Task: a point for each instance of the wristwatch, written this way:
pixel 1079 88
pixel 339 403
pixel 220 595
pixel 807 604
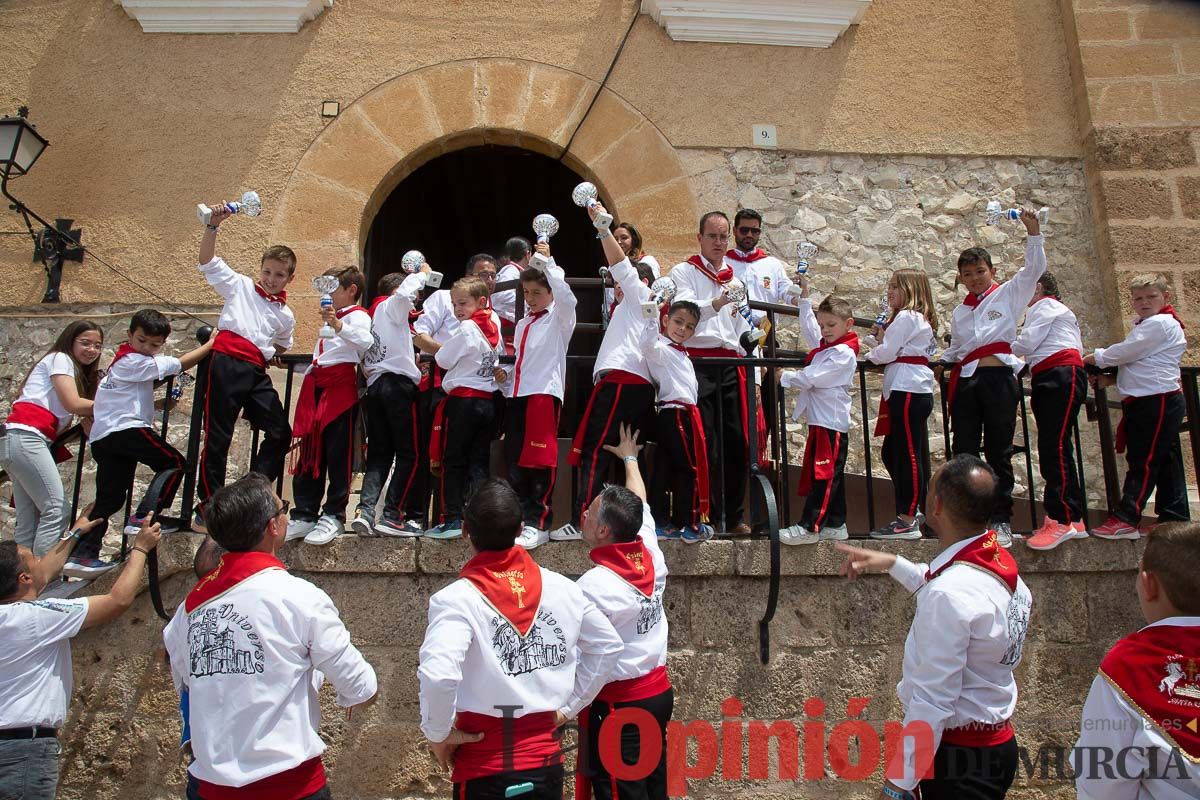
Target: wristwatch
pixel 897 794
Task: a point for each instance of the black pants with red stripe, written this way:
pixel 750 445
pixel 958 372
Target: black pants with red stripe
pixel 392 437
pixel 534 485
pixel 984 417
pixel 825 506
pixel 547 785
pixel 417 505
pixel 239 387
pixel 469 425
pixel 615 403
pixel 1057 395
pixel 971 773
pixel 604 785
pixel 906 448
pixel 335 465
pixel 1155 459
pixel 719 396
pixel 675 468
pixel 117 456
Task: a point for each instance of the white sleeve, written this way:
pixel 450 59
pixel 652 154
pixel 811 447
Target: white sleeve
pixel 175 640
pixel 333 654
pixel 631 285
pixel 1033 332
pixel 434 315
pixel 447 640
pixel 954 351
pixel 781 285
pixel 461 345
pixel 356 331
pixel 648 532
pixel 809 326
pixel 55 620
pixel 505 302
pixel 835 368
pixel 895 337
pixel 565 301
pixel 60 364
pixel 402 300
pixel 1107 724
pixel 284 338
pixel 222 278
pixel 157 369
pixel 1143 340
pixel 1020 288
pixel 909 575
pixel 600 648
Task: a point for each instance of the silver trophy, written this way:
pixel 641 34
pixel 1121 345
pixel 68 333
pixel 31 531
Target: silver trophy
pixel 584 196
pixel 885 311
pixel 996 212
pixel 411 263
pixel 545 226
pixel 805 252
pixel 326 285
pixel 735 290
pixel 605 281
pixel 249 205
pixel 182 381
pixel 662 291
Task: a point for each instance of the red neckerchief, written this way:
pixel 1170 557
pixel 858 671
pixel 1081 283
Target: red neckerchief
pixel 483 318
pixel 1167 309
pixel 754 255
pixel 973 300
pixel 850 339
pixel 232 570
pixel 722 276
pixel 280 298
pixel 673 345
pixel 984 553
pixel 349 310
pixel 511 583
pixel 629 561
pixel 378 301
pixel 122 351
pixel 1155 670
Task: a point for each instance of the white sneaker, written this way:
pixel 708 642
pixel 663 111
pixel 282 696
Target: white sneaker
pixel 797 534
pixel 299 528
pixel 567 533
pixel 838 534
pixel 531 537
pixel 326 530
pixel 362 526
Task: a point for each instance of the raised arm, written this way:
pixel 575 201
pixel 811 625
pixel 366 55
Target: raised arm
pixel 107 607
pixel 809 327
pixel 627 450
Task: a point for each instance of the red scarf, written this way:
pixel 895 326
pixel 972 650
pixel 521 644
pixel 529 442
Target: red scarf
pixel 540 447
pixel 754 255
pixel 850 339
pixel 483 318
pixel 122 351
pixel 339 393
pixel 722 276
pixel 984 553
pixel 698 454
pixel 278 299
pixel 232 570
pixel 972 300
pixel 1156 670
pixel 239 347
pixel 511 583
pixel 629 561
pixel 1167 309
pixel 376 303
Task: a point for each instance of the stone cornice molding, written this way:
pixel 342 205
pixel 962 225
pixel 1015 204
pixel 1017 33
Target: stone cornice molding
pixel 795 23
pixel 223 16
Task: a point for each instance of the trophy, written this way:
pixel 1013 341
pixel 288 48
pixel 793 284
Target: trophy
pixel 545 226
pixel 804 252
pixel 326 285
pixel 606 277
pixel 584 196
pixel 249 205
pixel 885 311
pixel 996 212
pixel 735 290
pixel 662 291
pixel 182 381
pixel 411 262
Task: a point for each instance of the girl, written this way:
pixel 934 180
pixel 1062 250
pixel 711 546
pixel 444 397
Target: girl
pixel 61 384
pixel 907 342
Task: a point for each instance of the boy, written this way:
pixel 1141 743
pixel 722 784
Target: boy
pixel 824 398
pixel 255 327
pixel 463 425
pixel 1152 409
pixel 123 435
pixel 1142 705
pixel 392 377
pixel 538 378
pixel 983 391
pixel 1051 345
pixel 326 412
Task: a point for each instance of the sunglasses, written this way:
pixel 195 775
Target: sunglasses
pixel 283 509
pixel 744 231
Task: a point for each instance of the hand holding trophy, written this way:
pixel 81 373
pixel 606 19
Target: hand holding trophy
pixel 545 226
pixel 662 291
pixel 996 212
pixel 249 205
pixel 584 196
pixel 805 251
pixel 412 261
pixel 326 285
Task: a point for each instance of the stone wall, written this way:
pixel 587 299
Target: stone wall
pixel 830 640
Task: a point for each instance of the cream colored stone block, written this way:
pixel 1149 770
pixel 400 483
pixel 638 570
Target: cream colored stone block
pixel 557 100
pixel 638 161
pixel 403 112
pixel 610 119
pixel 318 210
pixel 502 88
pixel 455 95
pixel 352 152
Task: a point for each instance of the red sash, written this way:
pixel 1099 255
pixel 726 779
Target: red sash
pixel 278 299
pixel 850 339
pixel 508 744
pixel 698 456
pixel 43 421
pixel 979 734
pixel 339 393
pixel 232 569
pixel 629 561
pixel 1063 358
pixel 992 349
pixel 511 583
pixel 883 421
pixel 653 682
pixel 1167 309
pixel 300 781
pixel 1120 437
pixel 1157 670
pixel 721 277
pixel 540 449
pixel 819 459
pixel 437 436
pixel 756 254
pixel 239 347
pixel 616 376
pixel 984 553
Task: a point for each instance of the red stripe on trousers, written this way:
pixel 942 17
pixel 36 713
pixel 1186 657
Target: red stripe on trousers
pixel 837 443
pixel 546 502
pixel 204 453
pixel 912 453
pixel 1062 461
pixel 412 474
pixel 587 491
pixel 1162 410
pixel 691 459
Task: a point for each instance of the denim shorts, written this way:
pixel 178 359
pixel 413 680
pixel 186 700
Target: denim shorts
pixel 29 768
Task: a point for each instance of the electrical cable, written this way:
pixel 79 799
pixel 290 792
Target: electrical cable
pixel 604 82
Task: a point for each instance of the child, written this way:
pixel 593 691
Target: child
pixel 538 378
pixel 122 433
pixel 1051 345
pixel 464 423
pixel 1149 384
pixel 1142 705
pixel 906 344
pixel 983 392
pixel 392 400
pixel 62 383
pixel 824 398
pixel 255 327
pixel 326 412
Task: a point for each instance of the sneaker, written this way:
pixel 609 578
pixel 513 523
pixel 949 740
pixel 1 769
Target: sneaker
pixel 567 533
pixel 1080 528
pixel 1146 530
pixel 451 529
pixel 899 529
pixel 694 534
pixel 299 528
pixel 362 525
pixel 134 524
pixel 86 567
pixel 325 531
pixel 530 537
pixel 1004 534
pixel 1114 528
pixel 838 534
pixel 198 525
pixel 392 527
pixel 668 532
pixel 798 534
pixel 1051 535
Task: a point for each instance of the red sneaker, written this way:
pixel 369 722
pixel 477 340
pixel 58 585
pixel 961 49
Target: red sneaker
pixel 1114 528
pixel 1146 530
pixel 1050 535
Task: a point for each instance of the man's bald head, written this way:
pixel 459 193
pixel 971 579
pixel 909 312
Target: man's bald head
pixel 966 488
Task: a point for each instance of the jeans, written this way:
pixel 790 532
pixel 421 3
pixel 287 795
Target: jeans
pixel 37 491
pixel 29 768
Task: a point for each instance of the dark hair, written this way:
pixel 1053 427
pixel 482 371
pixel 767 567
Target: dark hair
pixel 87 377
pixel 635 240
pixel 517 248
pixel 837 306
pixel 685 305
pixel 704 220
pixel 967 486
pixel 972 256
pixel 208 556
pixel 1172 555
pixel 389 283
pixel 620 511
pixel 645 272
pixel 279 252
pixel 492 518
pixel 151 323
pixel 350 276
pixel 1049 285
pixel 11 567
pixel 747 213
pixel 534 275
pixel 237 514
pixel 474 261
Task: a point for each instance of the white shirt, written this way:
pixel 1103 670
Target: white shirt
pixel 909 334
pixel 469 361
pixel 392 347
pixel 541 344
pixel 610 295
pixel 437 319
pixel 1110 721
pixel 247 658
pixel 39 390
pixel 767 281
pixel 670 366
pixel 125 396
pixel 505 302
pixel 640 621
pixel 1148 358
pixel 1050 327
pixel 995 318
pixel 621 346
pixel 247 313
pixel 35 660
pixel 715 329
pixel 462 658
pixel 967 636
pixel 349 345
pixel 825 383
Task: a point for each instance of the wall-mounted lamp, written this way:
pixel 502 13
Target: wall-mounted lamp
pixel 330 108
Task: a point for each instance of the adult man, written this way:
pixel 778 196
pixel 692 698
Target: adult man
pixel 509 647
pixel 967 635
pixel 767 278
pixel 244 645
pixel 722 390
pixel 35 653
pixel 627 585
pixel 517 252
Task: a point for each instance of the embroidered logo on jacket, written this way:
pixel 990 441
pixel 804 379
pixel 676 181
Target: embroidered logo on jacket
pixel 650 611
pixel 544 646
pixel 223 642
pixel 994 315
pixel 1018 624
pixel 1182 678
pixel 378 351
